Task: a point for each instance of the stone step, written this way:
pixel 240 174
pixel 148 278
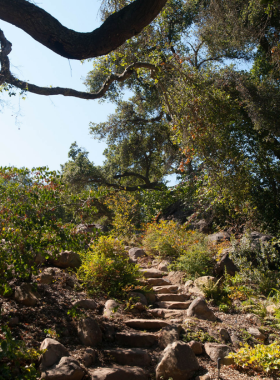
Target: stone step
pixel 146 324
pixel 128 356
pixel 165 289
pixel 173 297
pixel 118 372
pixel 157 281
pixel 173 305
pixel 152 273
pixel 136 339
pixel 168 313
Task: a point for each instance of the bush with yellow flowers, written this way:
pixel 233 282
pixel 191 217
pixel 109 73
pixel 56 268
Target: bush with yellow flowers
pixel 106 268
pixel 259 358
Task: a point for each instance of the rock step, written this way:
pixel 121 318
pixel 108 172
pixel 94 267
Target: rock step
pixel 146 324
pixel 152 273
pixel 165 289
pixel 128 356
pixel 136 339
pixel 173 305
pixel 119 373
pixel 169 313
pixel 173 297
pixel 157 281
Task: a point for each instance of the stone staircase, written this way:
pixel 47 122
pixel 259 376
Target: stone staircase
pixel 133 356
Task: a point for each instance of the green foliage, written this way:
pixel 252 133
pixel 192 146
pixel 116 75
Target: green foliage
pixel 260 358
pixel 17 361
pixel 217 292
pixel 32 209
pixel 106 268
pixel 199 335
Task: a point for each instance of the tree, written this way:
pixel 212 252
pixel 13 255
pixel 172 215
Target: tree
pixel 116 29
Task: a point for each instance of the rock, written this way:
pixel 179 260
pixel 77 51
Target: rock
pixel 271 309
pixel 253 318
pixel 256 333
pixel 139 297
pixel 219 237
pixel 89 332
pixel 54 352
pixel 164 265
pixel 224 335
pixel 235 341
pixel 174 305
pixel 131 339
pixel 165 289
pixel 146 324
pixel 158 281
pixel 67 369
pixel 111 308
pixel 192 289
pixel 119 373
pixel 197 347
pixel 129 356
pixel 200 282
pixel 39 259
pixel 176 277
pixel 168 313
pixel 216 351
pixel 200 310
pixel 13 321
pixel 152 273
pixel 45 278
pixel 87 304
pixel 226 264
pixel 26 295
pixel 66 259
pixel 88 357
pixel 173 297
pixel 135 253
pixel 150 296
pixel 203 377
pixel 178 362
pixel 168 335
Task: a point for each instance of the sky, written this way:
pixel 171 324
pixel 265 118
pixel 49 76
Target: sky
pixel 39 130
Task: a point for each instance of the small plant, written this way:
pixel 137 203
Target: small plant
pixel 50 333
pixel 199 335
pixel 216 292
pixel 259 358
pixel 224 308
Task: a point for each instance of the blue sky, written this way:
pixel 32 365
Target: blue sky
pixel 38 131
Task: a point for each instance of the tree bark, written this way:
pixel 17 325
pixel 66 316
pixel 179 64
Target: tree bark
pixel 48 31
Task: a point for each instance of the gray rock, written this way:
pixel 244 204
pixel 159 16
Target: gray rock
pixel 88 357
pixel 168 335
pixel 200 310
pixel 165 289
pixel 135 253
pixel 178 362
pixel 66 259
pixel 146 324
pixel 158 281
pixel 164 265
pixel 129 356
pixel 177 277
pixel 87 304
pixel 54 352
pixel 67 369
pixel 26 295
pixel 200 282
pixel 256 333
pixel 174 305
pixel 119 373
pixel 89 332
pixel 111 309
pixel 197 347
pixel 219 237
pixel 152 273
pixel 226 264
pixel 216 351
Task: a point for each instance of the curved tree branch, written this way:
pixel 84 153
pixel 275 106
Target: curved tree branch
pixel 47 30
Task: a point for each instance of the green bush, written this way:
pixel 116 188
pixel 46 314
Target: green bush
pixel 106 268
pixel 16 360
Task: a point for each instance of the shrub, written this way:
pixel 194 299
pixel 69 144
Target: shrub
pixel 106 268
pixel 260 358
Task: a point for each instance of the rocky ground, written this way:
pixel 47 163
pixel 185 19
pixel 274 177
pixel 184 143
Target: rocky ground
pixel 168 333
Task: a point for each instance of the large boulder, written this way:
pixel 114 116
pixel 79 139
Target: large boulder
pixel 54 351
pixel 67 369
pixel 66 259
pixel 199 309
pixel 225 265
pixel 26 295
pixel 136 253
pixel 89 332
pixel 178 362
